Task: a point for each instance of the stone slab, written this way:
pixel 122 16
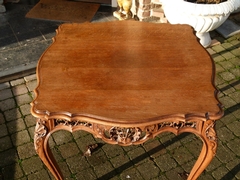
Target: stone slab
pixel 228 29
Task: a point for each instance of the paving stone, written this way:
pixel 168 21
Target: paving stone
pixel 26 150
pixel 51 142
pixel 25 109
pixel 234 145
pixel 13 171
pixel 30 77
pixel 31 85
pixel 39 175
pixel 235 84
pixel 130 148
pixel 215 163
pixel 85 141
pixel 235 42
pixel 7 104
pixel 227 76
pixel 97 158
pixel 77 163
pixel 219 125
pixel 65 170
pixel 154 148
pixel 227 46
pixel 182 155
pixel 148 170
pixel 236 51
pixel 2 119
pixel 86 174
pixel 17 82
pixel 187 167
pixel 162 177
pixel 186 138
pixel 194 147
pixel 131 173
pixel 138 155
pixel 4 85
pixel 235 61
pixel 220 172
pixel 12 114
pixel 205 177
pixel 234 127
pixel 3 130
pixel 228 118
pixel 218 58
pixel 225 135
pixel 31 131
pixel 170 141
pixel 219 80
pixel 218 48
pixel 227 55
pixel 8 157
pixel 15 126
pixel 236 111
pixel 105 171
pixel 5 94
pixel 30 120
pixel 174 173
pixel 68 150
pixel 20 138
pixel 32 165
pixel 236 72
pixel 19 89
pixel 226 88
pixel 233 168
pixel 210 51
pixel 61 137
pixel 219 68
pixel 23 99
pixel 227 101
pixel 112 150
pixel 121 162
pixel 5 143
pixel 224 154
pixel 226 65
pixel 78 134
pixel 57 154
pixel 165 162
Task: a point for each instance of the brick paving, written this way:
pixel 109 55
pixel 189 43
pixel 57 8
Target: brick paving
pixel 160 158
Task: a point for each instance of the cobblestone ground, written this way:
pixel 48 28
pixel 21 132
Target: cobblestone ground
pixel 163 157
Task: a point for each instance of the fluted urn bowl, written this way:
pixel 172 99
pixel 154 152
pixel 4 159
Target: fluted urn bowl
pixel 202 17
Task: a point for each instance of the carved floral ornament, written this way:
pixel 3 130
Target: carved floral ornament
pixel 211 135
pixel 114 134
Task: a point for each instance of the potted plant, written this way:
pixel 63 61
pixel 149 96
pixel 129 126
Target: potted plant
pixel 202 15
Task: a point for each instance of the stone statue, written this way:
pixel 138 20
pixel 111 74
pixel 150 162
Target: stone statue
pixel 124 11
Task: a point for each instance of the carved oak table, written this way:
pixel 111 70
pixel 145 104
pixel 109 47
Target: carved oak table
pixel 126 82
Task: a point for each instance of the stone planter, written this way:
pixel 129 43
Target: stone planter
pixel 202 17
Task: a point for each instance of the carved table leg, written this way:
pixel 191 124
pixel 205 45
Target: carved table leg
pixel 208 136
pixel 41 137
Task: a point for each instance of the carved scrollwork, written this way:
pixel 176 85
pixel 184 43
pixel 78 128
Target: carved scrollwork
pixel 211 135
pixel 40 132
pixel 71 123
pixel 176 125
pixel 125 135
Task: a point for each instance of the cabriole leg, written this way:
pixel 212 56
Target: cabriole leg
pixel 42 148
pixel 209 138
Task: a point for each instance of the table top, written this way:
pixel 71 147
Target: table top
pixel 126 72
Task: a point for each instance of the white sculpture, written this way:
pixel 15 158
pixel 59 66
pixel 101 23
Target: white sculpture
pixel 202 17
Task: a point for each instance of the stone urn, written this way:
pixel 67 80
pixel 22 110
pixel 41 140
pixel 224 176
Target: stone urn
pixel 202 17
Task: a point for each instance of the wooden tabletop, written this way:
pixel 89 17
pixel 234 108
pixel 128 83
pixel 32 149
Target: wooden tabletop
pixel 125 72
